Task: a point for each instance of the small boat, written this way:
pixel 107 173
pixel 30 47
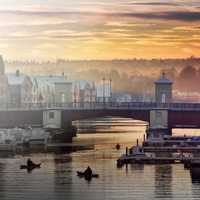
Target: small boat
pixel 86 175
pixel 30 167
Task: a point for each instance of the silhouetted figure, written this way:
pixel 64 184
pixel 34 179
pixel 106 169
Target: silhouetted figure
pixel 30 163
pixel 117 146
pixel 88 171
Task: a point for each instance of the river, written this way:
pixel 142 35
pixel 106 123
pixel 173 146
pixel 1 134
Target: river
pixel 57 179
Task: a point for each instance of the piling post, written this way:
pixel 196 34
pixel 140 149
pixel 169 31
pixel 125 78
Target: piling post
pixel 137 142
pixel 126 151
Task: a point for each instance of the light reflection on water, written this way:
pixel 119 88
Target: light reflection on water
pixel 57 178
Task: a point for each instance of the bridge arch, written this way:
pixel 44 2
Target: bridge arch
pixel 74 115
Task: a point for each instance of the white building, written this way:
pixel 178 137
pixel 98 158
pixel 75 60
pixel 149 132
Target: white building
pixel 62 88
pixel 42 91
pixel 3 84
pixel 84 92
pixel 104 93
pixel 124 98
pixel 19 89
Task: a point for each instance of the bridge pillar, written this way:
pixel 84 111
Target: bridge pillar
pixel 158 126
pixel 52 119
pixel 62 129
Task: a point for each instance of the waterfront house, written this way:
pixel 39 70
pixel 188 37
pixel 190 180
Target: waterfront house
pixel 43 91
pixel 19 90
pixel 3 84
pixel 84 93
pixel 104 93
pixel 62 90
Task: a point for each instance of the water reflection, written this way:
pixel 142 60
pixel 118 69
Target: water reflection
pixel 2 181
pixel 195 189
pixel 138 167
pixel 163 181
pixel 62 176
pixel 57 178
pixel 195 179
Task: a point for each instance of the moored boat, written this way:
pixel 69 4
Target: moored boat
pixel 135 154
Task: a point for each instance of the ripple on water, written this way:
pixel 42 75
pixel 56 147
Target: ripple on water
pixel 57 179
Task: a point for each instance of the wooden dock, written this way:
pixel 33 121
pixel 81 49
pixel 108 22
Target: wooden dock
pixel 126 159
pixel 172 149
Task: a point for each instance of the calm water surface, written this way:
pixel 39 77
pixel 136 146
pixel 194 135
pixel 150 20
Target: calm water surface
pixel 57 178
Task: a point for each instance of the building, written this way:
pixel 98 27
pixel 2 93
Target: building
pixel 19 89
pixel 3 84
pixel 62 88
pixel 2 66
pixel 189 97
pixel 42 91
pixel 121 97
pixel 104 92
pixel 163 90
pixel 84 93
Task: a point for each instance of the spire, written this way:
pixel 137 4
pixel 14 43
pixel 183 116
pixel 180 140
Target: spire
pixel 163 75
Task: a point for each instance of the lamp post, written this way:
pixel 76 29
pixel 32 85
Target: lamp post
pixel 110 91
pixel 104 91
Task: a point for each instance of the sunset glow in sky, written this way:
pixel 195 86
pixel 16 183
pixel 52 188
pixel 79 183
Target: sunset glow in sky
pixel 99 29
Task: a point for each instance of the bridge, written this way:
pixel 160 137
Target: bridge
pixel 182 115
pixel 162 115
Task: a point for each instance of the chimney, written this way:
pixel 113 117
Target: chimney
pixel 17 72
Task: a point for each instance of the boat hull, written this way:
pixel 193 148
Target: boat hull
pixel 30 167
pixel 87 176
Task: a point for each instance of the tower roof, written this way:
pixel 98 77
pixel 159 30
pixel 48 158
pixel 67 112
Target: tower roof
pixel 163 80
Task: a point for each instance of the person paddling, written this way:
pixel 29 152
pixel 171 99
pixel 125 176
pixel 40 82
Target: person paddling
pixel 88 171
pixel 30 163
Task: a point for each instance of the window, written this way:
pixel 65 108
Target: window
pixel 63 98
pixel 158 118
pixel 163 98
pixel 51 115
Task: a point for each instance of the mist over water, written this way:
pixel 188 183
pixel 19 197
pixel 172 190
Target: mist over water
pixel 57 179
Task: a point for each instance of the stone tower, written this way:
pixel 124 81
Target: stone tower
pixel 2 66
pixel 163 90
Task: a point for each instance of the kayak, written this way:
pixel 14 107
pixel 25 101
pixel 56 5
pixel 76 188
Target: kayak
pixel 30 167
pixel 87 176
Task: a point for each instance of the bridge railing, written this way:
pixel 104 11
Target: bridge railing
pixel 99 105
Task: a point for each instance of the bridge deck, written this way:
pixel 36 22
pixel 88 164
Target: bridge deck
pixel 106 106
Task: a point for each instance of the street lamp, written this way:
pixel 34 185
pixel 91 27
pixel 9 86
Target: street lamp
pixel 104 91
pixel 110 90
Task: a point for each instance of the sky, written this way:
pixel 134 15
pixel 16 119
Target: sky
pixel 99 29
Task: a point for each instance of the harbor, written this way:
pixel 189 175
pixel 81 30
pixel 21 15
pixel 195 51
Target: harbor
pixel 164 149
pixel 36 140
pixel 99 100
pixel 140 155
pixel 58 171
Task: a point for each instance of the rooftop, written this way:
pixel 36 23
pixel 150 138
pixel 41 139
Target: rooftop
pixel 14 79
pixel 53 79
pixel 163 80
